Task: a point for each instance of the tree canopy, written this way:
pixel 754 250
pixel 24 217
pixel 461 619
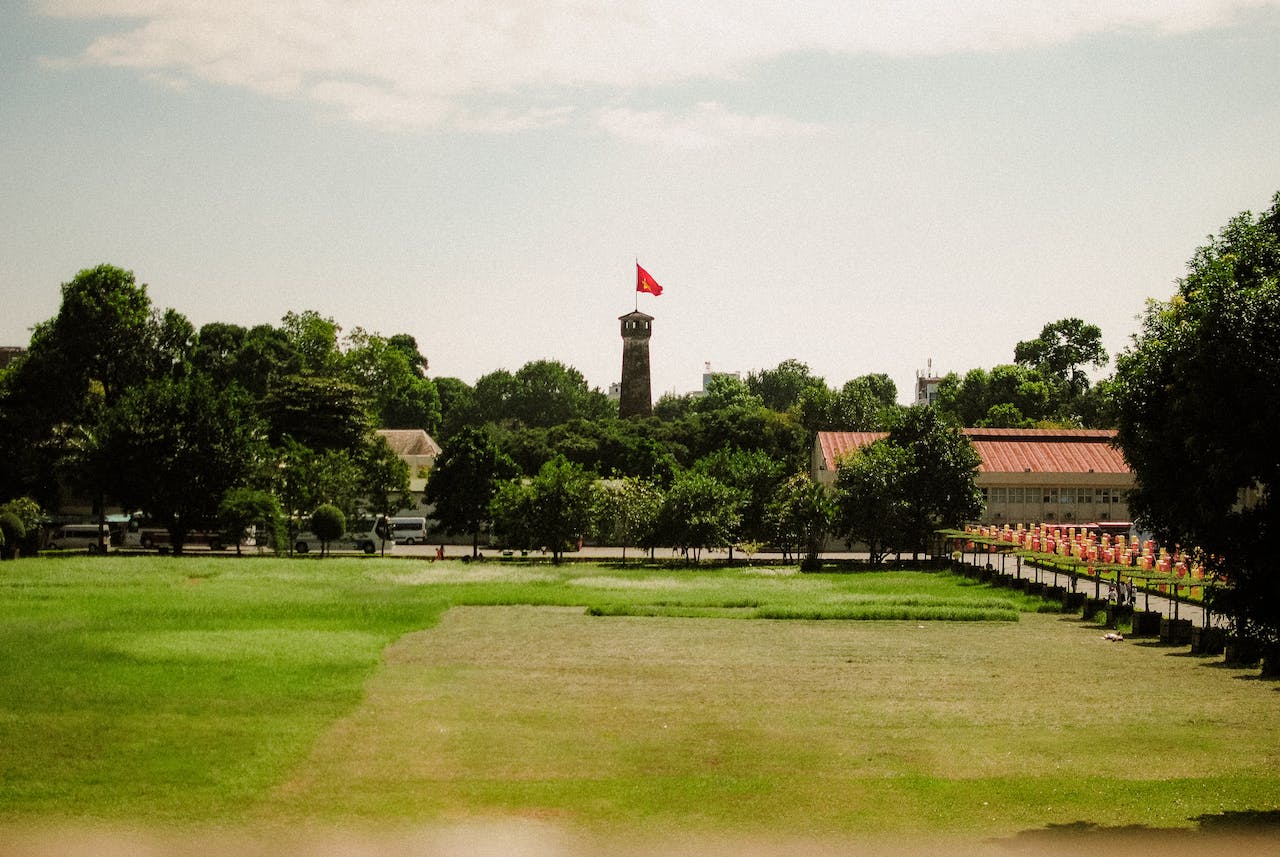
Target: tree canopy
pixel 1047 383
pixel 464 480
pixel 893 494
pixel 1197 397
pixel 550 511
pixel 175 447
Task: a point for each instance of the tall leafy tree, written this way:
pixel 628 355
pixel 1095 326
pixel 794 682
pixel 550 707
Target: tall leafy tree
pixel 390 372
pixel 893 494
pixel 384 478
pixel 319 411
pixel 781 388
pixel 799 516
pixel 548 393
pixel 699 512
pixel 1062 352
pixel 105 338
pixel 756 475
pixel 870 498
pixel 463 482
pixel 552 510
pixel 1197 398
pixel 105 333
pixel 314 338
pixel 938 483
pixel 627 512
pixel 174 447
pixel 457 406
pixel 727 391
pixel 256 358
pixel 866 403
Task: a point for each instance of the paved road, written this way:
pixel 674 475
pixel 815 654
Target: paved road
pixel 1097 589
pixel 1146 601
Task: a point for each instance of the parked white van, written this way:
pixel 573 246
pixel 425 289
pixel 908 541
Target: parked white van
pixel 78 537
pixel 409 531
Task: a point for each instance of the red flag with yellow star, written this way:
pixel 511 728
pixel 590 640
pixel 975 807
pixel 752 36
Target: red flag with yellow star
pixel 646 283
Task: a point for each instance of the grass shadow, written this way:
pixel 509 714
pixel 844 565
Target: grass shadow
pixel 1231 832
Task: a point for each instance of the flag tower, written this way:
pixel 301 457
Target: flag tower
pixel 636 399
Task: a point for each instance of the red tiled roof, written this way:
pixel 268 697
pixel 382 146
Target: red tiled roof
pixel 1012 450
pixel 836 444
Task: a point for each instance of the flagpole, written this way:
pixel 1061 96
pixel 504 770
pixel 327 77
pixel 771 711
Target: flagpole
pixel 637 290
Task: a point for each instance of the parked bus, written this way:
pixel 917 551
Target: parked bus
pixel 409 531
pixel 362 535
pixel 157 538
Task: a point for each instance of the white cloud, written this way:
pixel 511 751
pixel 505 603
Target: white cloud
pixel 425 64
pixel 707 125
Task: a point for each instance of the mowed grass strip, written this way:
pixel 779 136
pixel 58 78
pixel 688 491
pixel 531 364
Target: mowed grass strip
pixel 180 690
pixel 637 725
pixel 214 691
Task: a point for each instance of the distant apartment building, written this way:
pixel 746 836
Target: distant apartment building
pixel 927 385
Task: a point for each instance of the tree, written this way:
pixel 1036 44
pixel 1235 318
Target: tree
pixel 29 515
pixel 671 407
pixel 781 388
pixel 1005 415
pixel 105 332
pixel 938 481
pixel 866 403
pixel 105 339
pixel 727 391
pixel 390 373
pixel 384 478
pixel 894 493
pixel 1009 393
pixel 548 393
pixel 541 394
pixel 328 523
pixel 552 510
pixel 627 512
pixel 1196 399
pixel 464 480
pixel 256 358
pixel 699 512
pixel 304 479
pixel 1062 351
pixel 755 474
pixel 870 498
pixel 174 447
pixel 799 517
pixel 314 339
pixel 457 406
pixel 318 411
pixel 242 508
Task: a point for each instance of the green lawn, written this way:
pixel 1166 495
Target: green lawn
pixel 202 691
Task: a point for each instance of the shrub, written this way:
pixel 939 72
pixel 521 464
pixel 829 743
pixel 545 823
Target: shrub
pixel 11 532
pixel 328 523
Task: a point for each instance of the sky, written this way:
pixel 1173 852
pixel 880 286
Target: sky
pixel 860 186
